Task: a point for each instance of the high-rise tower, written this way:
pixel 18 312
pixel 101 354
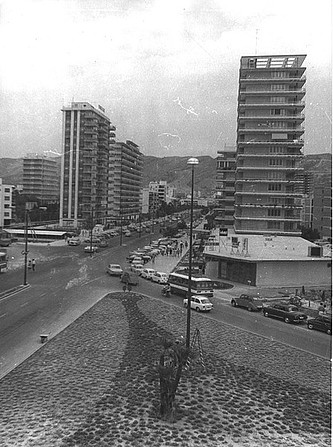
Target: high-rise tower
pixel 87 134
pixel 269 182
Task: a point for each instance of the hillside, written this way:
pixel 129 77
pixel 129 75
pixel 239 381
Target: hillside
pixel 176 172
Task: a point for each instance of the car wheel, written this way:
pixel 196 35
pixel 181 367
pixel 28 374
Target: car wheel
pixel 310 326
pixel 287 320
pixel 266 314
pixel 233 303
pixel 249 309
pixel 197 309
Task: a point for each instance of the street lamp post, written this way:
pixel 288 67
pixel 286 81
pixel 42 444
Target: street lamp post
pixel 191 162
pixel 25 248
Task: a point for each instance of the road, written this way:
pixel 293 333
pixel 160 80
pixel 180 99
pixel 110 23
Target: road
pixel 64 288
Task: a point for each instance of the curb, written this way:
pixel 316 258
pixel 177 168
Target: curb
pixel 10 292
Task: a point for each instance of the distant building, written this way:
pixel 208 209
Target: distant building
pixel 87 134
pixel 322 210
pixel 41 177
pixel 225 188
pixel 6 204
pixel 269 178
pixel 267 261
pixel 125 182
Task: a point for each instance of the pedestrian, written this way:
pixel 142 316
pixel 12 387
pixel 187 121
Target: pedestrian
pixel 33 265
pixel 124 287
pixel 186 244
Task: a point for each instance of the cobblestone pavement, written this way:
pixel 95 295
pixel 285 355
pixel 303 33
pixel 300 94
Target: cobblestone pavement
pixel 95 384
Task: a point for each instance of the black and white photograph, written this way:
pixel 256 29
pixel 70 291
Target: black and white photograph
pixel 165 223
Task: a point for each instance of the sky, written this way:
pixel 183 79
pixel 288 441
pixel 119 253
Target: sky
pixel 165 71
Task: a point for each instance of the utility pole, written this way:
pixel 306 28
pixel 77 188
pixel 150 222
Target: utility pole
pixel 25 248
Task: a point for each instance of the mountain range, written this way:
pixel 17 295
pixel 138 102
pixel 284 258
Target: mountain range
pixel 175 171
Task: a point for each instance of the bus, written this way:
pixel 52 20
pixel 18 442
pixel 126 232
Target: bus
pixel 199 285
pixel 3 259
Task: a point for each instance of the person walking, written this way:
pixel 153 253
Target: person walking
pixel 33 265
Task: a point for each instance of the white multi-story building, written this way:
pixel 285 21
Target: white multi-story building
pixel 269 178
pixel 87 135
pixel 6 204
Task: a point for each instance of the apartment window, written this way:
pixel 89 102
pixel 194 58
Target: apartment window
pixel 7 189
pixel 7 197
pixel 273 212
pixel 278 87
pixel 275 162
pixel 276 150
pixel 278 99
pixel 278 112
pixel 278 74
pixel 272 225
pixel 275 175
pixel 6 214
pixel 274 187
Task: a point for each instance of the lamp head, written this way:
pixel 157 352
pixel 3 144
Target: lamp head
pixel 192 161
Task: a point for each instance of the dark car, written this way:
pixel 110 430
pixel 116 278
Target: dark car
pixel 250 302
pixel 287 312
pixel 321 323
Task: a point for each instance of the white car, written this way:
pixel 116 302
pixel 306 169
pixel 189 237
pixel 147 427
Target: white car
pixel 90 249
pixel 199 303
pixel 74 241
pixel 114 270
pixel 148 273
pixel 161 278
pixel 137 268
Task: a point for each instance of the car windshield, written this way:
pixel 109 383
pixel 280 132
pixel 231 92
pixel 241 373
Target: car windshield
pixel 205 301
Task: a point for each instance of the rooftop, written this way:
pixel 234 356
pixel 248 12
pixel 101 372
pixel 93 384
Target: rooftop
pixel 264 248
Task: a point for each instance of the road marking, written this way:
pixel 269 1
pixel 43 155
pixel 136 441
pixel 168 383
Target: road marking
pixel 2 315
pixel 24 304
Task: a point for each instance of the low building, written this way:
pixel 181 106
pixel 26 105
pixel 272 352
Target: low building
pixel 268 261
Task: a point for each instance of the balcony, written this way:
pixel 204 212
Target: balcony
pixel 297 118
pixel 298 92
pixel 296 142
pixel 279 156
pixel 275 105
pixel 249 80
pixel 269 193
pixel 268 129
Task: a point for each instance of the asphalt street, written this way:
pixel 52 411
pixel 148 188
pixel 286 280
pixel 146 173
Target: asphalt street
pixel 70 283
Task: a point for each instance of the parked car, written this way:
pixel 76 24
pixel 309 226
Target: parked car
pixel 148 273
pixel 127 233
pixel 130 278
pixel 160 277
pixel 137 268
pixel 103 243
pixel 74 241
pixel 114 270
pixel 91 249
pixel 287 312
pixel 199 303
pixel 321 323
pixel 250 302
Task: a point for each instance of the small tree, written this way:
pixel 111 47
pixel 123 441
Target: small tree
pixel 171 363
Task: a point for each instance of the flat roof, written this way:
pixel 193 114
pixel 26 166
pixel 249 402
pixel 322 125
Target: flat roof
pixel 265 248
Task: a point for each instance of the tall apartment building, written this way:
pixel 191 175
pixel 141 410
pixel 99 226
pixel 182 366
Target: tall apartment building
pixel 322 210
pixel 225 188
pixel 125 182
pixel 87 135
pixel 6 204
pixel 269 183
pixel 41 177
